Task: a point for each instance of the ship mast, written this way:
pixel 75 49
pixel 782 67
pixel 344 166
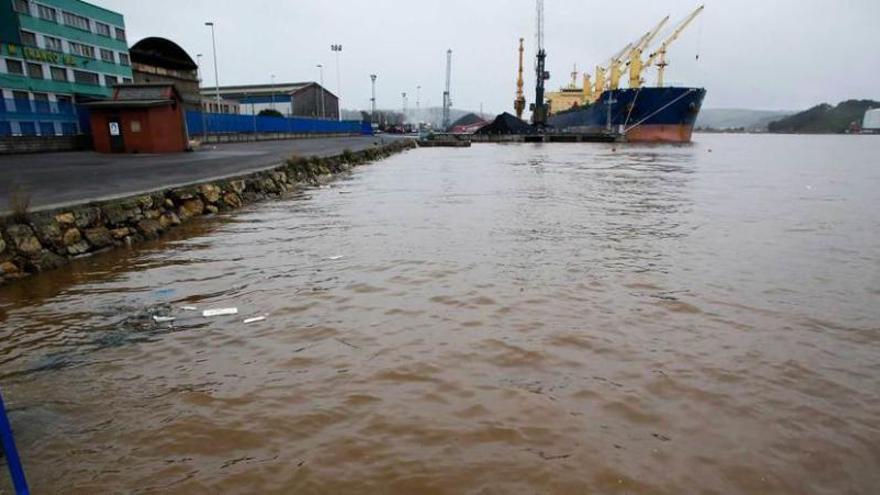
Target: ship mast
pixel 519 104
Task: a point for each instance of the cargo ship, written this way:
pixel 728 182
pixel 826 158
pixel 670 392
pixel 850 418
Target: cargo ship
pixel 656 114
pixel 640 113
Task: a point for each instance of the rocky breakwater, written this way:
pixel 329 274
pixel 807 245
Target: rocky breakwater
pixel 36 242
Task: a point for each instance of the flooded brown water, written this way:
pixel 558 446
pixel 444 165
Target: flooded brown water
pixel 504 319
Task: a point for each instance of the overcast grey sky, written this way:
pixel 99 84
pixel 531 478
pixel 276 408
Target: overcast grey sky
pixel 763 54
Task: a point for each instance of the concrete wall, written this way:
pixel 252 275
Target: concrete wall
pixel 38 242
pixel 40 144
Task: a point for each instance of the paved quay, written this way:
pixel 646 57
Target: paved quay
pixel 60 179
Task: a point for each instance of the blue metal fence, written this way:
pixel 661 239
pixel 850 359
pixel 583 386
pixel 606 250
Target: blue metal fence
pixel 220 123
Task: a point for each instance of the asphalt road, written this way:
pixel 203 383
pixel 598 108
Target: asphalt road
pixel 59 179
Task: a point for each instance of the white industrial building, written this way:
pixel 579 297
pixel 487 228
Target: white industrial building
pixel 871 124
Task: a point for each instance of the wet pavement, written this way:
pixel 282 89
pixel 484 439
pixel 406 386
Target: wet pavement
pixel 59 179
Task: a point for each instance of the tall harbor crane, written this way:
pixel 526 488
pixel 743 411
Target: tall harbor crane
pixel 660 55
pixel 519 104
pixel 447 96
pixel 539 107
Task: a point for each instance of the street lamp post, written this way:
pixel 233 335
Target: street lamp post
pixel 201 105
pixel 338 50
pixel 216 71
pixel 273 90
pixel 373 100
pixel 323 108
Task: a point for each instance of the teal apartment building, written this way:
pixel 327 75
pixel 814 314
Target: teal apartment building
pixel 53 55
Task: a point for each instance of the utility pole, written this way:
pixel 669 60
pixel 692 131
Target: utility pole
pixel 216 71
pixel 201 104
pixel 373 100
pixel 418 98
pixel 447 96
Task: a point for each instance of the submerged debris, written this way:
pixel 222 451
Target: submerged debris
pixel 219 312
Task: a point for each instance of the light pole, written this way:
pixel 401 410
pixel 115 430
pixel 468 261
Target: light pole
pixel 216 71
pixel 373 100
pixel 403 98
pixel 323 109
pixel 338 50
pixel 201 104
pixel 418 99
pixel 273 90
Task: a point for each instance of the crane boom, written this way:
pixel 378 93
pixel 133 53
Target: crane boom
pixel 519 104
pixel 623 61
pixel 634 64
pixel 660 54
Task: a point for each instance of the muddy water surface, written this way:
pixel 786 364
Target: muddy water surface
pixel 504 319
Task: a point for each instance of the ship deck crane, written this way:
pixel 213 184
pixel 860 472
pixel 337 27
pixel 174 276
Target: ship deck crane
pixel 660 54
pixel 519 104
pixel 601 80
pixel 634 64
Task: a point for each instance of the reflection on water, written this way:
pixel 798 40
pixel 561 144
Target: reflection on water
pixel 506 319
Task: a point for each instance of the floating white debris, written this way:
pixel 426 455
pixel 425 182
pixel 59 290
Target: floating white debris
pixel 335 258
pixel 189 308
pixel 254 320
pixel 219 312
pixel 163 319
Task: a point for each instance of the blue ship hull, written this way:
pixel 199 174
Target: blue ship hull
pixel 643 115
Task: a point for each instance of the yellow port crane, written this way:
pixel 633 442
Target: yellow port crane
pixel 634 64
pixel 519 104
pixel 601 72
pixel 660 54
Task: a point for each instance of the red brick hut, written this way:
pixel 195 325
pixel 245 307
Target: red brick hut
pixel 140 118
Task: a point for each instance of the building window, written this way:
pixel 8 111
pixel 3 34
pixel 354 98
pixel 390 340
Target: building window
pixel 107 56
pixel 22 101
pixel 47 129
pixel 27 128
pixel 58 73
pixel 28 38
pixel 83 77
pixel 14 67
pixel 65 105
pixel 126 80
pixel 110 81
pixel 81 50
pixel 120 34
pixel 68 128
pixel 123 59
pixel 47 13
pixel 35 71
pixel 77 21
pixel 102 29
pixel 5 128
pixel 21 6
pixel 53 44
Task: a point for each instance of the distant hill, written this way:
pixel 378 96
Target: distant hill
pixel 738 118
pixel 824 118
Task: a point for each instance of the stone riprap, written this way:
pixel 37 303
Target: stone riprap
pixel 37 242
